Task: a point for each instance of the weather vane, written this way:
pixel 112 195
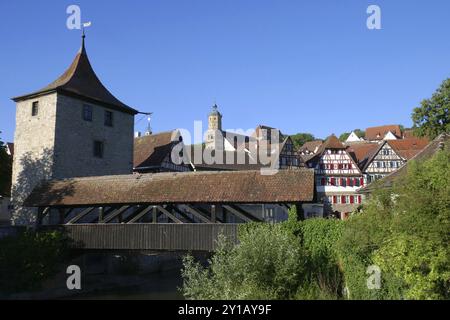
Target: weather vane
pixel 85 25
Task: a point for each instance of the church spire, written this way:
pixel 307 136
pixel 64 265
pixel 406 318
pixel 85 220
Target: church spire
pixel 83 36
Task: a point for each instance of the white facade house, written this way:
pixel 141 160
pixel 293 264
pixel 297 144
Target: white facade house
pixel 353 137
pixel 389 136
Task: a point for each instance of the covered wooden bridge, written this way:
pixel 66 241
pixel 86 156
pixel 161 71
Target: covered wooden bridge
pixel 165 211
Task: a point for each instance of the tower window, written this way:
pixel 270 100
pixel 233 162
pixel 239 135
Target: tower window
pixel 87 112
pixel 108 118
pixel 35 108
pixel 98 149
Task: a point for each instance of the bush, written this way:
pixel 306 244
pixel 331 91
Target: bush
pixel 404 231
pixel 319 237
pixel 30 258
pixel 268 263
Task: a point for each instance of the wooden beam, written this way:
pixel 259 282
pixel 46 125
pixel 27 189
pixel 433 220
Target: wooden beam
pixel 155 214
pixel 42 212
pixel 183 214
pixel 170 215
pixel 197 214
pixel 116 213
pixel 142 213
pixel 101 212
pixel 213 213
pixel 105 213
pixel 247 217
pixel 80 215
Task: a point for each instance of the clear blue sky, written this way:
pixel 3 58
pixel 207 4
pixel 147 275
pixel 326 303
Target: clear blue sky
pixel 301 66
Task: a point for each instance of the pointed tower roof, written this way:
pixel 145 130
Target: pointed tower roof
pixel 215 110
pixel 332 142
pixel 80 81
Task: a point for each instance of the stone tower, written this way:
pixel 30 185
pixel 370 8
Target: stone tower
pixel 214 136
pixel 73 127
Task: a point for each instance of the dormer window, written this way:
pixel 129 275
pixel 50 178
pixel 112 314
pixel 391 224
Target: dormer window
pixel 35 108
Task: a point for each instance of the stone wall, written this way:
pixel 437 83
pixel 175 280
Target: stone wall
pixel 33 152
pixel 74 142
pixel 57 143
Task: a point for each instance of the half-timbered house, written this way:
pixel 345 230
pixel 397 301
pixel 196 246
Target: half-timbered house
pixel 338 177
pixel 390 156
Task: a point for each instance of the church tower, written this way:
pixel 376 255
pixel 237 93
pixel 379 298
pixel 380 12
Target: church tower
pixel 73 127
pixel 214 136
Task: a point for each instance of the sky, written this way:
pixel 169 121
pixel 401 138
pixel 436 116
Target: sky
pixel 300 66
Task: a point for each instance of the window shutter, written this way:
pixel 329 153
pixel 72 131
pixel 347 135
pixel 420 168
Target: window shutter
pixel 361 180
pixel 333 182
pixel 334 199
pixel 323 181
pixel 352 199
pixel 359 199
pixel 342 199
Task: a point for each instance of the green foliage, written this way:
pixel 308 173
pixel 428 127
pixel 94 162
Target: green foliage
pixel 405 232
pixel 269 263
pixel 344 136
pixel 318 237
pixel 279 261
pixel 30 258
pixel 299 139
pixel 432 117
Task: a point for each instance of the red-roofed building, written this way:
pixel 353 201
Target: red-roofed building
pixel 390 156
pixel 338 177
pixel 388 132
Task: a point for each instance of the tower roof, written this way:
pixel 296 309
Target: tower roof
pixel 80 81
pixel 214 111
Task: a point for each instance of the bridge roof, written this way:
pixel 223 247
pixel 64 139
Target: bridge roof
pixel 286 186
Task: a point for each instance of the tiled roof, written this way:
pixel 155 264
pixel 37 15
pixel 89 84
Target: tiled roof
pixel 378 133
pixel 441 142
pixel 286 186
pixel 408 148
pixel 151 150
pixel 332 142
pixel 360 151
pixel 80 80
pixel 311 146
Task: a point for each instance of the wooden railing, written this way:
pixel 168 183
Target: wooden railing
pixel 150 236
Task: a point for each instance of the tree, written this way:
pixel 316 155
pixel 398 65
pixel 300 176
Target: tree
pixel 5 171
pixel 403 231
pixel 300 139
pixel 432 118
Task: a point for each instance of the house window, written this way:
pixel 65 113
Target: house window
pixel 98 149
pixel 108 118
pixel 87 112
pixel 35 108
